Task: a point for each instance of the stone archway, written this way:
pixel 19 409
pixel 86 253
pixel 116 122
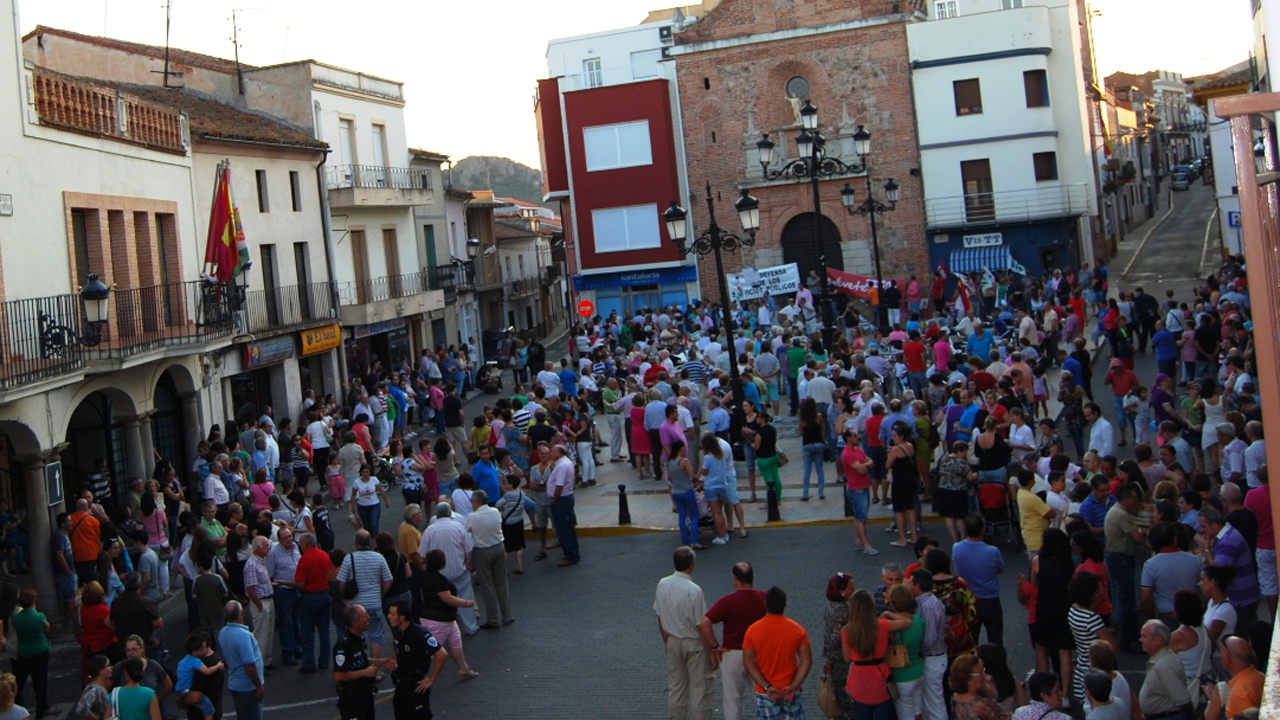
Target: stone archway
pixel 799 245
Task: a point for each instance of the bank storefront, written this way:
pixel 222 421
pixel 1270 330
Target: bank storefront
pixel 631 291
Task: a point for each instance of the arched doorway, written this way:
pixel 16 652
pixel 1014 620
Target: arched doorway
pixel 799 246
pixel 13 480
pixel 166 422
pixel 95 431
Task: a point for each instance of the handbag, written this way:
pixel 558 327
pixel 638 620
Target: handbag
pixel 1193 684
pixel 349 589
pixel 783 459
pixel 827 702
pixel 897 657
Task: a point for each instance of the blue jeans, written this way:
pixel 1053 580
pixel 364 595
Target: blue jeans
pixel 1168 367
pixel 565 521
pixel 859 501
pixel 287 621
pixel 313 611
pixel 687 505
pixel 883 711
pixel 369 516
pixel 248 705
pixel 813 456
pixel 919 382
pixel 1121 568
pixel 1124 420
pixel 204 705
pixel 447 487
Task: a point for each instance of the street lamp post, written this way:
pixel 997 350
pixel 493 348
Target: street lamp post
pixel 869 208
pixel 813 164
pixel 712 241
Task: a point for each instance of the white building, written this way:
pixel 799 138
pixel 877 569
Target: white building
pixel 1235 80
pixel 1005 141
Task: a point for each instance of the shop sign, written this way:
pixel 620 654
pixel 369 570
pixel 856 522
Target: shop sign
pixel 268 352
pixel 753 283
pixel 987 240
pixel 364 331
pixel 661 276
pixel 320 339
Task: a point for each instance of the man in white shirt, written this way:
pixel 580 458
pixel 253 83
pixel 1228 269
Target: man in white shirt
pixel 450 537
pixel 1233 450
pixel 1102 437
pixel 489 559
pixel 549 380
pixel 1256 454
pixel 764 317
pixel 1021 437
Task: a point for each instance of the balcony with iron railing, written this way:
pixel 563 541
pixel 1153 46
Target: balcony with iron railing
pixel 88 108
pixel 47 337
pixel 377 186
pixel 364 302
pixel 289 307
pixel 959 211
pixel 521 287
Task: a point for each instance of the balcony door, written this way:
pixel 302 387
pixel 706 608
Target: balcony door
pixel 979 204
pixel 391 249
pixel 346 140
pixel 380 155
pixel 304 280
pixel 360 265
pixel 270 292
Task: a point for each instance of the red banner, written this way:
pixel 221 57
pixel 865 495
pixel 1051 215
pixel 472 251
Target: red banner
pixel 858 286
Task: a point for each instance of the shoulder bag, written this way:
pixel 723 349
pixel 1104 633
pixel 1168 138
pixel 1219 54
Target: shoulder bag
pixel 349 588
pixel 827 701
pixel 897 656
pixel 1193 683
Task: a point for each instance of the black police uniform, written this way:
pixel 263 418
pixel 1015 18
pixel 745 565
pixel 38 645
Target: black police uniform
pixel 415 649
pixel 355 697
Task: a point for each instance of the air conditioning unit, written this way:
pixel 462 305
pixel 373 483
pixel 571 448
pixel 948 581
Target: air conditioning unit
pixel 666 53
pixel 664 33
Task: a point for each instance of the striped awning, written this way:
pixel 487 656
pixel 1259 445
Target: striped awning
pixel 974 260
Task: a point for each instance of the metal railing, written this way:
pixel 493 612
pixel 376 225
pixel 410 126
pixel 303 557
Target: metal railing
pixel 30 346
pixel 82 106
pixel 151 318
pixel 1010 206
pixel 288 306
pixel 360 292
pixel 600 77
pixel 442 278
pixel 338 177
pixel 522 287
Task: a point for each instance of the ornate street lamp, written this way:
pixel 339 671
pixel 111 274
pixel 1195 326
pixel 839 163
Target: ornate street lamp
pixel 56 339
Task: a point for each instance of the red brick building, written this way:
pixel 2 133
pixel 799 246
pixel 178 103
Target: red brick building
pixel 735 67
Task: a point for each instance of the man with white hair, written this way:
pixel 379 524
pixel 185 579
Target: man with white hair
pixel 257 586
pixel 450 537
pixel 1164 690
pixel 548 378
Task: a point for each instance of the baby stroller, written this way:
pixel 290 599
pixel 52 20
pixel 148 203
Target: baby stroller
pixel 998 513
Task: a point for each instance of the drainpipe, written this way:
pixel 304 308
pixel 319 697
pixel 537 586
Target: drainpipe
pixel 331 267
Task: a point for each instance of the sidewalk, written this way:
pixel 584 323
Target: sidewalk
pixel 649 501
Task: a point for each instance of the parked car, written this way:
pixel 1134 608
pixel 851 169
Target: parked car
pixel 1187 170
pixel 1181 181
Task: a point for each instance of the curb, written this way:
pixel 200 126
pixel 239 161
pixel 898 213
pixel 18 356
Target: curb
pixel 1124 275
pixel 621 530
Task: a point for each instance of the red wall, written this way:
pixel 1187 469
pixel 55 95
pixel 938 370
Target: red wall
pixel 656 183
pixel 550 137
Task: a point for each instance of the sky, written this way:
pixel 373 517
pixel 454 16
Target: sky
pixel 470 69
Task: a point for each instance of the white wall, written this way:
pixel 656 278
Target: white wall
pixel 1050 24
pixel 1224 178
pixel 613 47
pixel 365 114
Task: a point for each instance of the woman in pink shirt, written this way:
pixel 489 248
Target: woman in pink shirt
pixel 942 352
pixel 913 294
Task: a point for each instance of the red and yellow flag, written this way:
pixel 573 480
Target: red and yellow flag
pixel 226 252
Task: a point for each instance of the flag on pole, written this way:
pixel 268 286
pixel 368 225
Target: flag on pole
pixel 963 287
pixel 1017 267
pixel 226 252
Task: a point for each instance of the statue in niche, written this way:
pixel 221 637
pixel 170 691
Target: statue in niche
pixel 795 107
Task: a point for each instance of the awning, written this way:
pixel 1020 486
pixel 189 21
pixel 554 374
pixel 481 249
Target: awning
pixel 974 260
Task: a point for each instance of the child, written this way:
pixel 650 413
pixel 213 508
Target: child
pixel 1130 404
pixel 1142 426
pixel 300 461
pixel 337 483
pixel 1039 392
pixel 320 521
pixel 1027 595
pixel 197 648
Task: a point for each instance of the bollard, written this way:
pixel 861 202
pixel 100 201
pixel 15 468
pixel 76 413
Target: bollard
pixel 624 512
pixel 774 516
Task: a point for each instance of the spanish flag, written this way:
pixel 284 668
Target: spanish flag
pixel 226 252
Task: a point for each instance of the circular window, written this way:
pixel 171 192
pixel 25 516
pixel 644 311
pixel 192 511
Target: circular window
pixel 798 87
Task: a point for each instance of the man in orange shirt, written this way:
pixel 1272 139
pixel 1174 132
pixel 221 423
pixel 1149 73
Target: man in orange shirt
pixel 776 654
pixel 1245 685
pixel 86 541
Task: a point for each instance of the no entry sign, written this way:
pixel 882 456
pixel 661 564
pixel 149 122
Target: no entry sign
pixel 586 308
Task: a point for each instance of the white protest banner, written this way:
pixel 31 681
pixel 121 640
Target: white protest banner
pixel 777 280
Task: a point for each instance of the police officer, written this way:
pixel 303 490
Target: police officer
pixel 417 652
pixel 355 674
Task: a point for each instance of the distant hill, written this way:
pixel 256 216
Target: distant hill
pixel 505 177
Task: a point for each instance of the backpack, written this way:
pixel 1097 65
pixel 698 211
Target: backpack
pixel 962 613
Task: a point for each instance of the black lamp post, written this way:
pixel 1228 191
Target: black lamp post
pixel 712 241
pixel 869 208
pixel 812 165
pixel 56 339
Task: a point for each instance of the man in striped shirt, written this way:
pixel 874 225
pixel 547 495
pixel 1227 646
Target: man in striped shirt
pixel 680 606
pixel 934 648
pixel 696 370
pixel 522 415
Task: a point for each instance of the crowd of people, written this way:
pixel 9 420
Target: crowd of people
pixel 948 407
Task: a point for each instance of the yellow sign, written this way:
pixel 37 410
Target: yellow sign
pixel 321 339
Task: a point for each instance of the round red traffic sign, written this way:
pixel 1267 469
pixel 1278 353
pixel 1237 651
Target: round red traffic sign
pixel 586 308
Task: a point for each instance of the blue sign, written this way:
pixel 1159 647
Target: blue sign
pixel 659 276
pixel 1233 218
